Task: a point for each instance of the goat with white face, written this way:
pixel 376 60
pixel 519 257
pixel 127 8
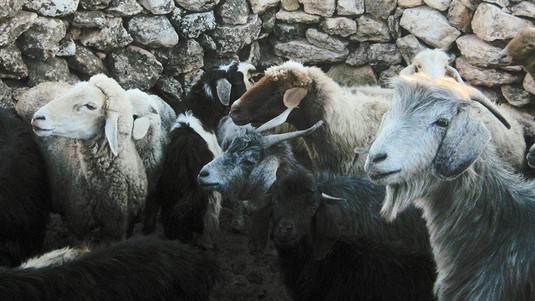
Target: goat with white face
pixel 433 151
pixel 433 62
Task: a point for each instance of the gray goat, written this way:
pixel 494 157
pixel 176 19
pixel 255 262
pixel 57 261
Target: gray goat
pixel 433 151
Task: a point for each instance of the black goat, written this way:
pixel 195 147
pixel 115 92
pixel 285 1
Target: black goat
pixel 24 193
pixel 316 264
pixel 137 269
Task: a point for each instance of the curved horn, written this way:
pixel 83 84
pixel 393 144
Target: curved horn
pixel 275 121
pixel 276 138
pixel 454 73
pixel 331 198
pixel 482 99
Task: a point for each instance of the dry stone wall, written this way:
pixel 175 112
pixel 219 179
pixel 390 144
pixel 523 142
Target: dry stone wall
pixel 163 45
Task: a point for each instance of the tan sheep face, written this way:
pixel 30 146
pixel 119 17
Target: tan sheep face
pixel 77 114
pixel 520 50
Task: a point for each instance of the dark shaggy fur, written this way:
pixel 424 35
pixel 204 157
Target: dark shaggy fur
pixel 24 193
pixel 137 269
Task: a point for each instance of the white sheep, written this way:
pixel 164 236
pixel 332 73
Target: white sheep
pixel 433 62
pixel 102 179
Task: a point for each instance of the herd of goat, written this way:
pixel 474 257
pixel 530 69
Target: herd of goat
pixel 413 192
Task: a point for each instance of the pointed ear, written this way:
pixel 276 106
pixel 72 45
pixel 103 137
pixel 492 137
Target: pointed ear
pixel 223 88
pixel 326 232
pixel 408 70
pixel 141 127
pixel 110 129
pixel 465 139
pixel 293 96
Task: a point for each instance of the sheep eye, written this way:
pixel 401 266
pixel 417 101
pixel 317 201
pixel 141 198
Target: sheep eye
pixel 442 122
pixel 90 106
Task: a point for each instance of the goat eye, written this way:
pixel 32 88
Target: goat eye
pixel 442 122
pixel 90 106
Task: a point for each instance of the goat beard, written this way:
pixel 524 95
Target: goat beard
pixel 401 195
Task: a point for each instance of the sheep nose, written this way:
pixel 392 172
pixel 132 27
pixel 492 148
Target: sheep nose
pixel 39 117
pixel 378 157
pixel 234 111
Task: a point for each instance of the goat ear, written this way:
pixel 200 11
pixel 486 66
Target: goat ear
pixel 454 73
pixel 141 127
pixel 465 139
pixel 293 96
pixel 223 88
pixel 110 129
pixel 326 232
pixel 408 70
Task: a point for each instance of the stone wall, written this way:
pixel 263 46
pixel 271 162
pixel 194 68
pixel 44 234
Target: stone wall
pixel 163 45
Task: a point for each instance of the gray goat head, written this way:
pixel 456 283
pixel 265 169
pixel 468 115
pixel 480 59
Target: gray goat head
pixel 248 167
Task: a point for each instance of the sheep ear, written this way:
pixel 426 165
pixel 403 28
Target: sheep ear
pixel 454 73
pixel 408 70
pixel 465 139
pixel 110 129
pixel 326 232
pixel 141 127
pixel 293 96
pixel 223 88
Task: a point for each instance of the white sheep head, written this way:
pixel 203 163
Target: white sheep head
pixel 145 113
pixel 85 110
pixel 433 62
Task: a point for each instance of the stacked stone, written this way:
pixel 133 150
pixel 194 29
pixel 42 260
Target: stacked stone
pixel 164 45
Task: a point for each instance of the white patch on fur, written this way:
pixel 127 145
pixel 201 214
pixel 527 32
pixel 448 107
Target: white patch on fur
pixel 56 257
pixel 225 67
pixel 245 69
pixel 196 125
pixel 208 91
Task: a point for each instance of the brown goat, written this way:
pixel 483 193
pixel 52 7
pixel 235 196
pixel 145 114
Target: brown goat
pixel 521 51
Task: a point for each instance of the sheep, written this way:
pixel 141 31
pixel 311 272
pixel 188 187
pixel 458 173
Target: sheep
pixel 433 151
pixel 100 177
pixel 521 51
pixel 253 162
pixel 136 269
pixel 189 212
pixel 316 265
pixel 351 120
pixel 433 62
pixel 24 193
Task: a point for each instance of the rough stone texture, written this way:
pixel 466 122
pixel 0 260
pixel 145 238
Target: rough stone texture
pixel 380 9
pixel 52 69
pixel 86 62
pixel 11 63
pixel 440 5
pixel 350 7
pixel 323 40
pixel 184 57
pixel 460 16
pixel 298 16
pixel 341 26
pixel 94 4
pixel 290 5
pixel 230 39
pixel 285 32
pixel 134 67
pixel 158 7
pixel 234 12
pixel 67 47
pixel 484 76
pixel 267 56
pixel 305 52
pixel 430 26
pixel 393 23
pixel 516 96
pixel 359 56
pixel 9 8
pixel 6 96
pixel 524 9
pixel 323 8
pixel 529 84
pixel 477 51
pixel 12 28
pixel 111 37
pixel 491 23
pixel 171 89
pixel 410 3
pixel 189 79
pixel 260 6
pixel 153 31
pixel 269 20
pixel 42 39
pixel 52 8
pixel 502 3
pixel 90 19
pixel 409 46
pixel 370 29
pixel 197 5
pixel 124 8
pixel 349 76
pixel 383 55
pixel 192 25
pixel 388 74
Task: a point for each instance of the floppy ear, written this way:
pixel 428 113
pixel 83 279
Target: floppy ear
pixel 408 70
pixel 223 88
pixel 465 139
pixel 141 127
pixel 450 71
pixel 326 232
pixel 110 129
pixel 293 96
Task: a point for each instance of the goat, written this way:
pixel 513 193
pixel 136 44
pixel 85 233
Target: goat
pixel 24 193
pixel 433 151
pixel 433 62
pixel 351 120
pixel 136 269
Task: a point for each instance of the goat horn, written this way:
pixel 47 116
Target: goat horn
pixel 276 138
pixel 482 99
pixel 275 121
pixel 332 198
